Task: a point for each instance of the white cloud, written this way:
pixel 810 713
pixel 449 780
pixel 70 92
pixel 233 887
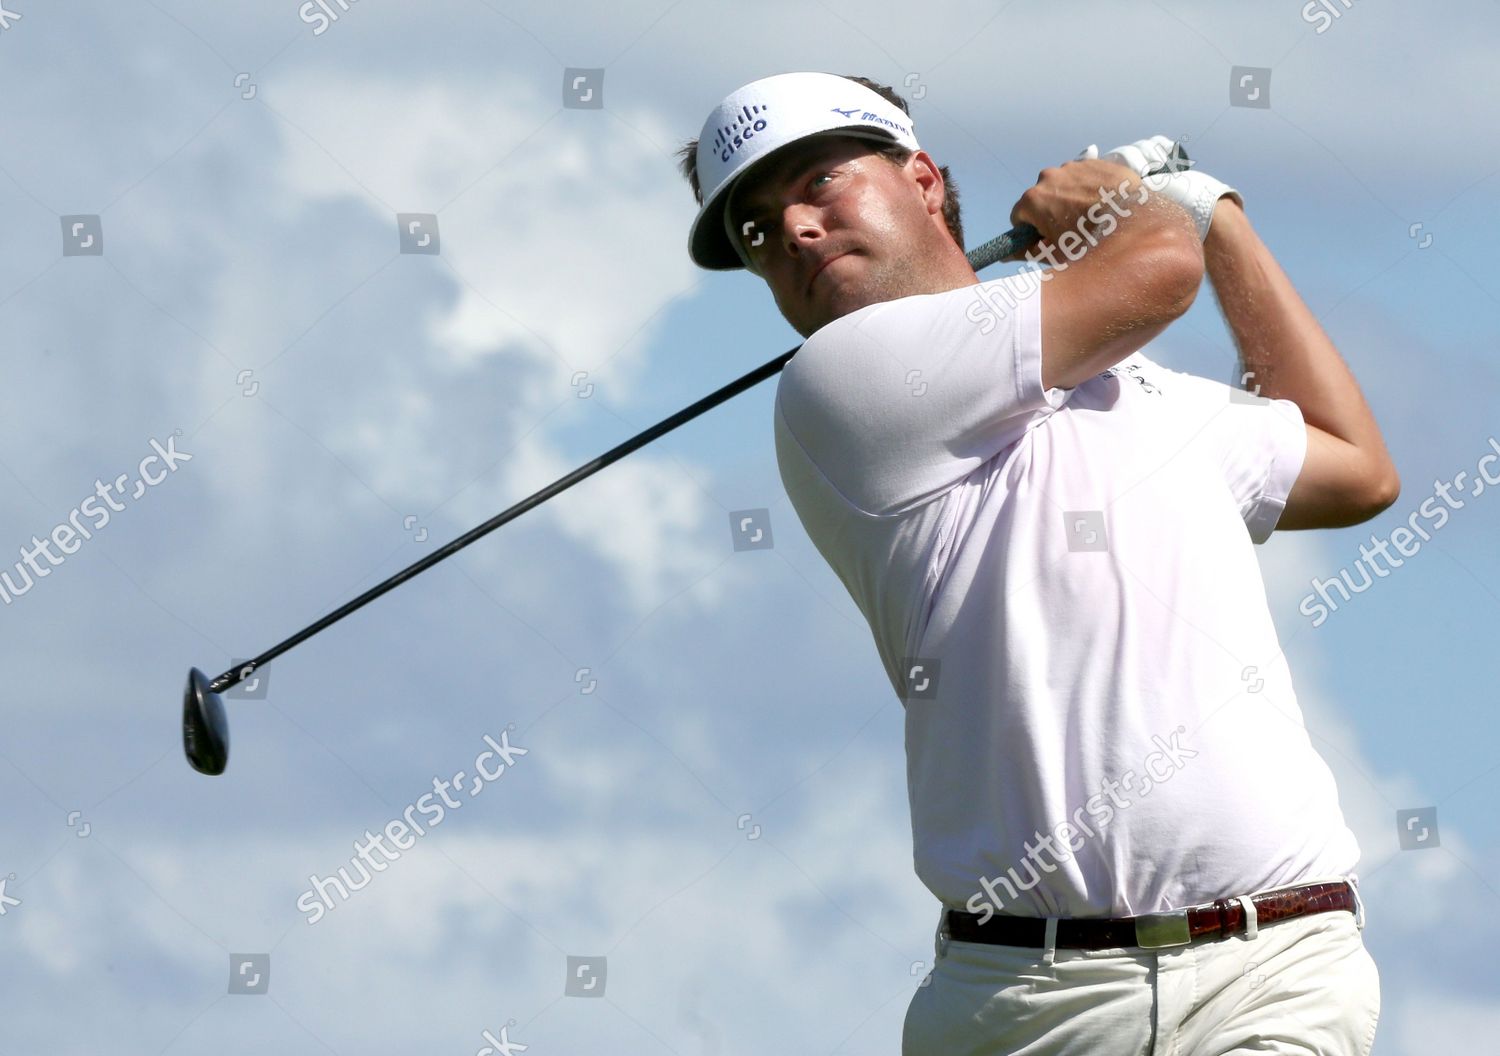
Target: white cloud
pixel 564 249
pixel 644 516
pixel 572 230
pixel 684 913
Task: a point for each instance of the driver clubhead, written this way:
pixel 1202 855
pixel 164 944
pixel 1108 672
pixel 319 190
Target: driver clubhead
pixel 205 729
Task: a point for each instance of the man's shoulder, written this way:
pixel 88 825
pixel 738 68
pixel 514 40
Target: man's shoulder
pixel 914 317
pixel 878 313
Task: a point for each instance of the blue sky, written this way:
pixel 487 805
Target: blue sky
pixel 248 224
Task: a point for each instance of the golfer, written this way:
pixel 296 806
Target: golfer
pixel 1135 845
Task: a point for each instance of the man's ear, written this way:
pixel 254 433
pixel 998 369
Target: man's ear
pixel 925 172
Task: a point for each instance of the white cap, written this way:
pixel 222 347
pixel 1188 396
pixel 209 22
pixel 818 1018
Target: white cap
pixel 763 116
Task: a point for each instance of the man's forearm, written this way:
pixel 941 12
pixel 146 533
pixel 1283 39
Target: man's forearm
pixel 1282 348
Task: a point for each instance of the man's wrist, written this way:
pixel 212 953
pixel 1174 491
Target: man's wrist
pixel 1228 223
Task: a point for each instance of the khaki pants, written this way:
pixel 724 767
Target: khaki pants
pixel 1305 985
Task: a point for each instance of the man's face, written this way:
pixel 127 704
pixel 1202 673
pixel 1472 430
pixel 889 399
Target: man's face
pixel 834 227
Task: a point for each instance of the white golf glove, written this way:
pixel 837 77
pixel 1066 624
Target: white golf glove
pixel 1195 191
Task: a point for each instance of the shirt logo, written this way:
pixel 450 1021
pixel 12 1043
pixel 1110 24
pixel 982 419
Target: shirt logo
pixel 1131 372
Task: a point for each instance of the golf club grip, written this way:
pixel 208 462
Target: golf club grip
pixel 1020 237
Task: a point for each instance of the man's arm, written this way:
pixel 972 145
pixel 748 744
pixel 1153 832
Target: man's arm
pixel 1100 303
pixel 1347 476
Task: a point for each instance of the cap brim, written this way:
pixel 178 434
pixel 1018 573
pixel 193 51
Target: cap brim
pixel 708 242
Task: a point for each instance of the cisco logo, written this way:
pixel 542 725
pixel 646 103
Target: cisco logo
pixel 731 137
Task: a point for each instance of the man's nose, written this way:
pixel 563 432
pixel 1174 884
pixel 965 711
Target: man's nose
pixel 801 225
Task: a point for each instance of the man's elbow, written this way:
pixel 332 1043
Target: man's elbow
pixel 1388 491
pixel 1381 493
pixel 1177 263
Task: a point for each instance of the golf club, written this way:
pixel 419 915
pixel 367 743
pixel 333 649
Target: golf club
pixel 205 727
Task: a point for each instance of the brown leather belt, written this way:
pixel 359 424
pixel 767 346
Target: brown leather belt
pixel 1178 927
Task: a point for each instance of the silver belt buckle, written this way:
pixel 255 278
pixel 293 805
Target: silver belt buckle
pixel 1155 930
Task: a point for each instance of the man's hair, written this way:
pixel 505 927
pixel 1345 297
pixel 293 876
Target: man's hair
pixel 895 153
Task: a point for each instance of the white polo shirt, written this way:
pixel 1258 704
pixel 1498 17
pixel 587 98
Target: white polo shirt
pixel 1063 587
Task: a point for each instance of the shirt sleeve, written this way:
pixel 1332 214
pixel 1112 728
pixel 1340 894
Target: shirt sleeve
pixel 897 401
pixel 1265 449
pixel 1260 445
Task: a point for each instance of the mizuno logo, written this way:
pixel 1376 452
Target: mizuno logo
pixel 854 114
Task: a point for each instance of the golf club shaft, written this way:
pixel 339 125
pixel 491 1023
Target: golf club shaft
pixel 1018 238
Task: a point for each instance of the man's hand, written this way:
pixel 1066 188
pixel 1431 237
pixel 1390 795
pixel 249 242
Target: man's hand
pixel 1193 190
pixel 1140 157
pixel 1063 196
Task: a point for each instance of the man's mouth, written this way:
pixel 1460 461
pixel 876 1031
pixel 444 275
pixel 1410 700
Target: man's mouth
pixel 826 261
